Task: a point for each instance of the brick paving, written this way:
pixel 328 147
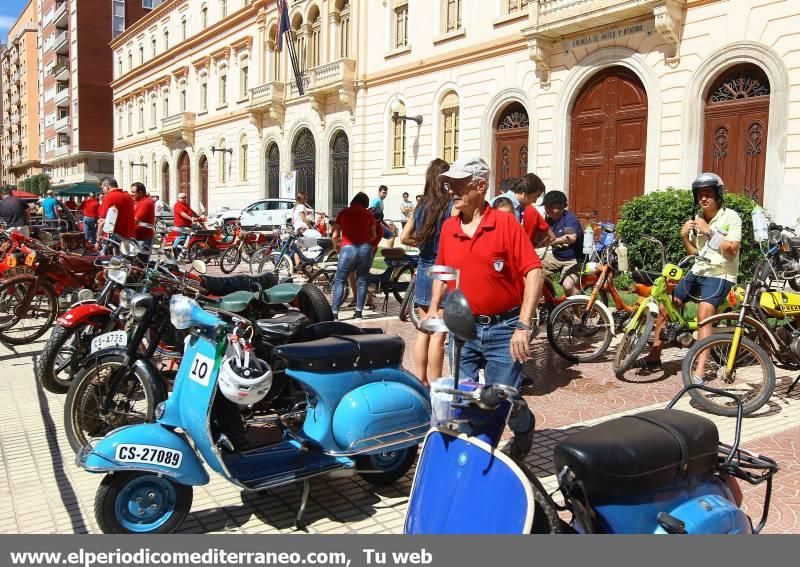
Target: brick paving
pixel 42 491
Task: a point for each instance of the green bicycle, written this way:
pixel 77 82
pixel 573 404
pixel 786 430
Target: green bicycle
pixel 679 330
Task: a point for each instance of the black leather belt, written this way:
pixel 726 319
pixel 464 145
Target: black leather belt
pixel 492 319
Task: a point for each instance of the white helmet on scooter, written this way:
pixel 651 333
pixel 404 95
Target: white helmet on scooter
pixel 244 386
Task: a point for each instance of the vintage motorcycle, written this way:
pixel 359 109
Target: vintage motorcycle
pixel 655 472
pixel 362 414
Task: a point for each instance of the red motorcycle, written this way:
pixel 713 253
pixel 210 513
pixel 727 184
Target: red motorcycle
pixel 12 257
pixel 29 303
pixel 202 243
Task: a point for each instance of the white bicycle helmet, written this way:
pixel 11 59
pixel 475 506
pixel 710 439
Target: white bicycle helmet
pixel 245 386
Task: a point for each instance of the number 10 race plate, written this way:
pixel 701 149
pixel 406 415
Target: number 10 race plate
pixel 149 454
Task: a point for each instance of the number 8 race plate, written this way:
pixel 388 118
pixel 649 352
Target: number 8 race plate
pixel 148 454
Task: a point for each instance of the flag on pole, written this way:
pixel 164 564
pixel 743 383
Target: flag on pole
pixel 283 26
pixel 284 29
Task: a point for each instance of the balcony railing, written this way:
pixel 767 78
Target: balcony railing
pixel 178 126
pixel 266 96
pixel 61 150
pixel 62 124
pixel 15 139
pixel 61 70
pixel 555 18
pixel 327 78
pixel 14 98
pixel 62 97
pixel 60 17
pixel 60 44
pixel 14 119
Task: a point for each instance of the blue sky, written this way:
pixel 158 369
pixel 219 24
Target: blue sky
pixel 9 12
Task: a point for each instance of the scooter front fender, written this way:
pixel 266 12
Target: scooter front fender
pixel 104 457
pixel 85 314
pixel 711 514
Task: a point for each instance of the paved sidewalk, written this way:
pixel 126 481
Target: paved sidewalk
pixel 42 491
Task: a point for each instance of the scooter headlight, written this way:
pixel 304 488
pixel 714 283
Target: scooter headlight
pixel 140 304
pixel 180 311
pixel 125 296
pixel 119 275
pixel 158 413
pixel 85 295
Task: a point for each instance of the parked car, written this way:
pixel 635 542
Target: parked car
pixel 263 214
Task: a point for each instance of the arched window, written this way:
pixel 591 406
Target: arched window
pixel 153 111
pixel 223 8
pixel 183 28
pixel 222 172
pixel 121 175
pixel 222 95
pixel 244 76
pixel 141 54
pixel 141 115
pixel 243 158
pixel 155 46
pixel 130 60
pixel 449 126
pixel 182 94
pixel 203 91
pixel 119 122
pixel 165 103
pixel 119 66
pixel 274 55
pixel 130 119
pixel 399 140
pixel 204 16
pixel 316 37
pixel 273 171
pixel 166 39
pixel 300 42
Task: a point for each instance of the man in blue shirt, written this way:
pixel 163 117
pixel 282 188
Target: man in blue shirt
pixel 49 206
pixel 562 254
pixel 376 207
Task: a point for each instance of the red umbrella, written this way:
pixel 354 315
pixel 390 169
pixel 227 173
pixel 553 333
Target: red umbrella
pixel 25 194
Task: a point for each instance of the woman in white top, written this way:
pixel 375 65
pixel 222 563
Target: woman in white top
pixel 302 214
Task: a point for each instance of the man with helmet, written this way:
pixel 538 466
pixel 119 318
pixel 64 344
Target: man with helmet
pixel 711 277
pixel 562 255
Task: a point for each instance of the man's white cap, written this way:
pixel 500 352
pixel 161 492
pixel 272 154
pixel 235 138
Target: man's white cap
pixel 473 167
pixel 181 195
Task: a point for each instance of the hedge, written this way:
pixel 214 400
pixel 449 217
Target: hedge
pixel 662 213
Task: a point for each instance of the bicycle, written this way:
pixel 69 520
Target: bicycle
pixel 259 254
pixel 394 279
pixel 245 243
pixel 282 264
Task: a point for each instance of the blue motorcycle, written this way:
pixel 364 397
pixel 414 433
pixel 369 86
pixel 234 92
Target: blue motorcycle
pixel 362 414
pixel 656 472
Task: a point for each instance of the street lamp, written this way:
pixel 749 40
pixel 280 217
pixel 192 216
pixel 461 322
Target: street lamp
pixel 397 106
pixel 226 150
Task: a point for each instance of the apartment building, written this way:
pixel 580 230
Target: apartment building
pixel 604 99
pixel 20 95
pixel 2 117
pixel 74 73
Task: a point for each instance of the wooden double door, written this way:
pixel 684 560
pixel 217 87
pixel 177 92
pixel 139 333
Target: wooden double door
pixel 607 146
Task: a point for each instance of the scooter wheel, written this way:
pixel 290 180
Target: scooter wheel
pixel 383 469
pixel 141 503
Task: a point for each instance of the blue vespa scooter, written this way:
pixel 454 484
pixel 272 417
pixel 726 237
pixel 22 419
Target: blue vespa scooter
pixel 363 414
pixel 661 471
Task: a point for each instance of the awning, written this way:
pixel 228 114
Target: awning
pixel 25 194
pixel 79 189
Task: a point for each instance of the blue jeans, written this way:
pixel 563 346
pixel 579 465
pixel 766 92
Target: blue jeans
pixel 491 350
pixel 353 257
pixel 90 229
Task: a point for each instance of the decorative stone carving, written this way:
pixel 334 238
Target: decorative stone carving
pixel 539 50
pixel 669 23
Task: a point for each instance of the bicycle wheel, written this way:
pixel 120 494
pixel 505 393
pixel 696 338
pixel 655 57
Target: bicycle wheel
pixel 230 259
pixel 280 266
pixel 20 326
pixel 407 306
pixel 633 343
pixel 324 279
pixel 752 379
pixel 400 281
pixel 578 334
pixel 257 257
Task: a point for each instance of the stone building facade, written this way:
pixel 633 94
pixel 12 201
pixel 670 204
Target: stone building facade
pixel 604 99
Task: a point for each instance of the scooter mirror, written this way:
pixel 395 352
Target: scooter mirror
pixel 458 316
pixel 129 247
pixel 199 266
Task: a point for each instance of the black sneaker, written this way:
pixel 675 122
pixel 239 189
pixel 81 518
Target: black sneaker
pixel 521 446
pixel 358 315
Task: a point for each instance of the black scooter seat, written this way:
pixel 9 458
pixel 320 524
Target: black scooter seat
pixel 339 353
pixel 639 453
pixel 645 278
pixel 223 285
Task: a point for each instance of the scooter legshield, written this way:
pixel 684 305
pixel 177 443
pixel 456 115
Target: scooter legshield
pixel 105 456
pixel 464 486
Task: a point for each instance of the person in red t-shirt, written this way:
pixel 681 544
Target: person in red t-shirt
pixel 501 277
pixel 353 234
pixel 90 207
pixel 184 215
pixel 124 226
pixel 70 204
pixel 144 213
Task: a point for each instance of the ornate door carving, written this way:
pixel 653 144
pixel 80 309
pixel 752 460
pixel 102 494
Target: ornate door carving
pixel 736 117
pixel 305 163
pixel 340 172
pixel 511 144
pixel 607 147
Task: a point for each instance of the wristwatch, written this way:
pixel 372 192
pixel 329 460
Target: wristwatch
pixel 523 326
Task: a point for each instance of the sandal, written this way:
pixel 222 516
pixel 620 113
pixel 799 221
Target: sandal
pixel 645 363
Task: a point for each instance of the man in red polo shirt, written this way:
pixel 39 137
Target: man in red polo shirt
pixel 144 214
pixel 501 277
pixel 124 226
pixel 183 213
pixel 90 207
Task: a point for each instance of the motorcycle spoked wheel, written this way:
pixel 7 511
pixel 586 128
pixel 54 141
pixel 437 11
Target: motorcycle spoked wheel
pixel 135 502
pixel 383 469
pixel 62 353
pixel 18 328
pixel 133 402
pixel 577 335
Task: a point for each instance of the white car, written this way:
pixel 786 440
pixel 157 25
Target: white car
pixel 263 214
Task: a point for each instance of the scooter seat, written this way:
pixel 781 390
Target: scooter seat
pixel 325 329
pixel 339 353
pixel 283 328
pixel 204 232
pixel 645 278
pixel 223 285
pixel 639 453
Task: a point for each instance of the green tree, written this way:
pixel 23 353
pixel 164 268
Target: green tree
pixel 661 214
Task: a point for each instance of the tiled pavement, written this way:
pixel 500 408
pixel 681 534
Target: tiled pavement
pixel 42 491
